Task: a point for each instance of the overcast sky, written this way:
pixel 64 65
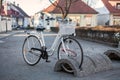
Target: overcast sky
pixel 31 6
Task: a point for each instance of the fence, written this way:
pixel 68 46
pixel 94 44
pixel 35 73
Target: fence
pixel 106 35
pixel 5 25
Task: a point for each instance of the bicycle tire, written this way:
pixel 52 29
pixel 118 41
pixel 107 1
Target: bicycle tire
pixel 31 57
pixel 74 49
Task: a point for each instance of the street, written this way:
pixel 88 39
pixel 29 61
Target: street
pixel 13 67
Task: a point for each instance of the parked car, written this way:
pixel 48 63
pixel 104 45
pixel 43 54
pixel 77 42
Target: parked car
pixel 15 27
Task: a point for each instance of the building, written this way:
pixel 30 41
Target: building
pixel 109 11
pixel 19 17
pixel 12 16
pixel 114 9
pixel 80 13
pixel 5 21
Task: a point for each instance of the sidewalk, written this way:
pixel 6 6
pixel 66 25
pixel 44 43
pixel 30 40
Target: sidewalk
pixel 7 34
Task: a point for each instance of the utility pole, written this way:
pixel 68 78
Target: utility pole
pixel 6 24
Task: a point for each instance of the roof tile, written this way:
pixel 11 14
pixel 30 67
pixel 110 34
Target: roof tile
pixel 76 8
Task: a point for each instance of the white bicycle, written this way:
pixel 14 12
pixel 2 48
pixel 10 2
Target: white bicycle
pixel 34 47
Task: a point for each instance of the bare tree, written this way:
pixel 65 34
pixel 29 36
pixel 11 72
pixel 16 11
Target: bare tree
pixel 63 6
pixel 0 6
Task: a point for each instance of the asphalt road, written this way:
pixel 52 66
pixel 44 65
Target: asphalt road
pixel 13 67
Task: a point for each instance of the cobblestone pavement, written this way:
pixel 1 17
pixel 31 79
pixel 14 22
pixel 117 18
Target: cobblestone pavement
pixel 13 67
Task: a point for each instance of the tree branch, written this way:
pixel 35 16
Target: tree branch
pixel 64 9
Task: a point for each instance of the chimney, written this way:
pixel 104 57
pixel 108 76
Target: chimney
pixel 14 3
pixel 18 5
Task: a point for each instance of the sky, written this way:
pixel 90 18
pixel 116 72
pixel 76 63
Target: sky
pixel 31 6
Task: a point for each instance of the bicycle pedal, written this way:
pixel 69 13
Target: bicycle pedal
pixel 47 61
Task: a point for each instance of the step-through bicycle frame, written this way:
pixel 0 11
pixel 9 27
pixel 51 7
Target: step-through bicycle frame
pixel 59 38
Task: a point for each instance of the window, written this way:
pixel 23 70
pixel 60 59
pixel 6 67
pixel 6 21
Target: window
pixel 116 20
pixel 118 5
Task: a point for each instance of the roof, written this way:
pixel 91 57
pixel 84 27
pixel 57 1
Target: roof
pixel 114 0
pixel 14 11
pixel 2 12
pixel 76 8
pixel 21 11
pixel 110 7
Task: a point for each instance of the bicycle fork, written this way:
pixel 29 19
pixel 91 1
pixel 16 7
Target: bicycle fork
pixel 67 50
pixel 64 49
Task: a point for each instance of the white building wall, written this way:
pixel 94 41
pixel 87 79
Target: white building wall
pixel 111 20
pixel 103 19
pixel 14 23
pixel 26 22
pixel 80 18
pixel 104 14
pixel 82 21
pixel 5 24
pixel 2 26
pixel 9 25
pixel 94 21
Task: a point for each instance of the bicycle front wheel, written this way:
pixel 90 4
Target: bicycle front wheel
pixel 31 56
pixel 70 48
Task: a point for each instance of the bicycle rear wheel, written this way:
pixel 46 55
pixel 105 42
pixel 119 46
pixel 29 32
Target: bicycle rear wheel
pixel 30 56
pixel 70 48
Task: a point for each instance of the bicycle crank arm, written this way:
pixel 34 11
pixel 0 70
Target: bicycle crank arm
pixel 44 54
pixel 37 49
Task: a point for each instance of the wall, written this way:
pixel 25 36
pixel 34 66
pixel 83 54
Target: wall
pixel 82 19
pixel 26 22
pixel 113 3
pixel 103 19
pixel 99 6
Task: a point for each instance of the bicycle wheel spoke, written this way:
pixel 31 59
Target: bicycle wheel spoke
pixel 36 53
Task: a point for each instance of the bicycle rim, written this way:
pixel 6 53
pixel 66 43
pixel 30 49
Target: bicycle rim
pixel 30 56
